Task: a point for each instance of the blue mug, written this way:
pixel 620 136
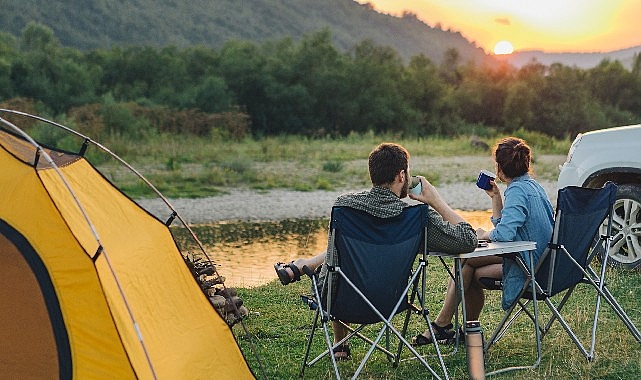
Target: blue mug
pixel 483 181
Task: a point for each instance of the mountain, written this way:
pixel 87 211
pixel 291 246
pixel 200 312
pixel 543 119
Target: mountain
pixel 101 24
pixel 580 60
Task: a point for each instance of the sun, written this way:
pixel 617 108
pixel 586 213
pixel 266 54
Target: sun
pixel 503 47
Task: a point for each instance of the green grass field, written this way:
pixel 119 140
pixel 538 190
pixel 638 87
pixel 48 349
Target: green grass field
pixel 279 323
pixel 192 167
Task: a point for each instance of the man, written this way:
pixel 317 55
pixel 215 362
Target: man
pixel 390 176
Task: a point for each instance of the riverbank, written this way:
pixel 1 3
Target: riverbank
pixel 279 204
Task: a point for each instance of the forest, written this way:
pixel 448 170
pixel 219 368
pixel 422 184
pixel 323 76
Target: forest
pixel 308 88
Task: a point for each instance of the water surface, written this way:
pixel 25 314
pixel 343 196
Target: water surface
pixel 245 252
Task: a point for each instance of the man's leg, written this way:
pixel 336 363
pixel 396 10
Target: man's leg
pixel 341 352
pixel 311 262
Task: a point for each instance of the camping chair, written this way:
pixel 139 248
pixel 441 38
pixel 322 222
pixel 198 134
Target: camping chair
pixel 370 280
pixel 566 263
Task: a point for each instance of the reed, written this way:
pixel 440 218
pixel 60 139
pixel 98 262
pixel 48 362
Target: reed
pixel 191 167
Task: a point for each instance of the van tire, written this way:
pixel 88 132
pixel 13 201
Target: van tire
pixel 625 247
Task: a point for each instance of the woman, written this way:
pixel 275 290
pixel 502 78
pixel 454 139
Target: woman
pixel 525 214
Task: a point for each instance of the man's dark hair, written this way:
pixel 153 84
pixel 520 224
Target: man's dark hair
pixel 386 161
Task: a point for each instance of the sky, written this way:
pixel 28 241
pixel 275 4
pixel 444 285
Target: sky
pixel 548 25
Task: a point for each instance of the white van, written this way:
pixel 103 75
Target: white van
pixel 612 154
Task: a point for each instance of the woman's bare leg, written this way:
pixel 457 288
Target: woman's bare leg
pixel 474 294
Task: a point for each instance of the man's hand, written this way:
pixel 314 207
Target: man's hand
pixel 430 196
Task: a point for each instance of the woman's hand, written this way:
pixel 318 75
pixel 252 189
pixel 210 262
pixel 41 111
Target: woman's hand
pixel 481 234
pixel 494 191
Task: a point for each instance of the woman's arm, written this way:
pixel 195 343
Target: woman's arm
pixel 513 215
pixel 497 209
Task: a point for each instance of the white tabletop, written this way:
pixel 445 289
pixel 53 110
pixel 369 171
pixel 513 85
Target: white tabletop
pixel 493 248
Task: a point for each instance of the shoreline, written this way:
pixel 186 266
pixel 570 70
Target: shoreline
pixel 254 206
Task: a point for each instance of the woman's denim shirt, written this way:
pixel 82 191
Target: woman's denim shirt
pixel 527 215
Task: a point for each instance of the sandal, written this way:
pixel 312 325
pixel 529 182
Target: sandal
pixel 283 276
pixel 443 335
pixel 343 348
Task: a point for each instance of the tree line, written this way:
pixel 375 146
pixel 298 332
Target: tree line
pixel 309 88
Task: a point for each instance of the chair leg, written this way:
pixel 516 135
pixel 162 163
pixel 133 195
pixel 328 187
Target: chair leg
pixel 618 309
pixel 321 315
pixel 309 343
pixel 622 314
pixel 534 288
pixel 397 357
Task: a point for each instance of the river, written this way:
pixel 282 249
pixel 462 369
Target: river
pixel 245 252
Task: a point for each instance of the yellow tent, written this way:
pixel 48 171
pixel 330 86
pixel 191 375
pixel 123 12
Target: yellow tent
pixel 91 285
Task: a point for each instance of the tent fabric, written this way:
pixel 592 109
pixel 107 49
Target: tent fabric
pixel 26 313
pixel 109 295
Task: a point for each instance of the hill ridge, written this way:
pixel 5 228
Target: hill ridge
pixel 92 24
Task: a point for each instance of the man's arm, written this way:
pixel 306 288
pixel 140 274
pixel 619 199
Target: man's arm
pixel 430 196
pixel 447 232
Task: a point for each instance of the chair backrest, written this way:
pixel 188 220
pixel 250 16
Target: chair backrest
pixel 580 211
pixel 377 255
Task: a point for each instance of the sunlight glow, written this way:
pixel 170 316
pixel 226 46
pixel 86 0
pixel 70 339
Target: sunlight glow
pixel 503 47
pixel 550 25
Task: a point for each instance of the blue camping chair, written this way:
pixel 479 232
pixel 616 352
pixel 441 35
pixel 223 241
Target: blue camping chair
pixel 565 264
pixel 370 280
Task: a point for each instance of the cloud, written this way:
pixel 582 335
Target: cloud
pixel 503 21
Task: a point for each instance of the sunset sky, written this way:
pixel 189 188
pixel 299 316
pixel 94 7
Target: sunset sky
pixel 548 25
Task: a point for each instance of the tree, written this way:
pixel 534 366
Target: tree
pixel 322 70
pixel 375 77
pixel 480 98
pixel 36 37
pixel 242 66
pixel 523 94
pixel 609 82
pixel 450 67
pixel 47 72
pixel 424 91
pixel 566 106
pixel 8 52
pixel 636 66
pixel 210 95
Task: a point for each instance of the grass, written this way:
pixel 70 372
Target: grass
pixel 191 167
pixel 279 323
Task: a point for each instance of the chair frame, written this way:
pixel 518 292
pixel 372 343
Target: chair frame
pixel 543 293
pixel 417 275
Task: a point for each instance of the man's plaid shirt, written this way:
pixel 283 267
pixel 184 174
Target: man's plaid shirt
pixel 442 236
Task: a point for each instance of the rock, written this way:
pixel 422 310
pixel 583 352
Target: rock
pixel 477 143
